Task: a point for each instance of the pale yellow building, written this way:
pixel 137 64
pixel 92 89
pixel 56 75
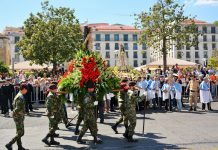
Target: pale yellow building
pixel 5 54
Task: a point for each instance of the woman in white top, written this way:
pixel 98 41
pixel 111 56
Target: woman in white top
pixel 166 93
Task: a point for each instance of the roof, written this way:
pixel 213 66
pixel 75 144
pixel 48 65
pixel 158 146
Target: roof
pixel 26 65
pixel 198 22
pixel 170 62
pixel 112 27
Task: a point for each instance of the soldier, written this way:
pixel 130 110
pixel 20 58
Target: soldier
pixel 52 105
pixel 131 112
pixel 122 96
pixel 18 116
pixel 89 115
pixel 80 118
pixel 193 85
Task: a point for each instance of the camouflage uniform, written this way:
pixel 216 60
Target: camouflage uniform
pixel 80 114
pixel 131 112
pixel 18 116
pixel 89 115
pixel 122 96
pixel 89 118
pixel 53 108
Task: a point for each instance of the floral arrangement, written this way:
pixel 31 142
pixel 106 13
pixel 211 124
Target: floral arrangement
pixel 88 65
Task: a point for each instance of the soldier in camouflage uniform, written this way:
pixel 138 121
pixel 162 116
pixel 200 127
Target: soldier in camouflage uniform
pixel 89 115
pixel 122 97
pixel 18 116
pixel 130 112
pixel 80 109
pixel 53 108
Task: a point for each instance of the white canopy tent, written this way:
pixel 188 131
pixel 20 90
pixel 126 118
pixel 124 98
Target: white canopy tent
pixel 170 63
pixel 26 65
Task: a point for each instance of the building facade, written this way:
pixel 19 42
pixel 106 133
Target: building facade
pixel 200 53
pixel 14 35
pixel 5 55
pixel 107 40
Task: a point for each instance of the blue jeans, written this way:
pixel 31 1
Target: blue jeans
pixel 179 104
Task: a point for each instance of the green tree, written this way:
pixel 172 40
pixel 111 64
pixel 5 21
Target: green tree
pixel 213 61
pixel 3 67
pixel 165 25
pixel 216 23
pixel 51 36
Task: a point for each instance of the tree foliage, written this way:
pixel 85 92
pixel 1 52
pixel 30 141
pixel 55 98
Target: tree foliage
pixel 3 68
pixel 216 23
pixel 51 36
pixel 213 61
pixel 165 26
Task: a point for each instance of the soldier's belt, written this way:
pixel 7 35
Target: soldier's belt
pixel 192 91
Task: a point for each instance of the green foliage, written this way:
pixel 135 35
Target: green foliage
pixel 51 36
pixel 3 68
pixel 216 23
pixel 163 26
pixel 213 61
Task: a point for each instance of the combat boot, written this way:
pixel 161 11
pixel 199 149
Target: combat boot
pixel 114 127
pixel 79 140
pixel 20 147
pixel 97 141
pixel 56 135
pixel 8 146
pixel 76 132
pixel 126 134
pixel 53 142
pixel 45 140
pixel 130 139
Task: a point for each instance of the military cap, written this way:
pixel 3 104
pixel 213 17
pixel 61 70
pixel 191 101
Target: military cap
pixel 52 87
pixel 90 84
pixel 132 83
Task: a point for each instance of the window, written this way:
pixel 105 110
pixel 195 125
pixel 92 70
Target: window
pixel 116 37
pixel 213 45
pixel 135 55
pixel 196 47
pixel 187 47
pixel 135 46
pixel 107 46
pixel 16 49
pixel 1 43
pixel 204 29
pixel 205 38
pixel 144 62
pixel 107 37
pixel 144 55
pixel 97 46
pixel 108 63
pixel 16 39
pixel 213 29
pixel 135 37
pixel 188 55
pixel 98 37
pixel 197 61
pixel 135 63
pixel 116 46
pixel 125 37
pixel 144 47
pixel 205 55
pixel 205 46
pixel 107 55
pixel 196 55
pixel 213 38
pixel 126 47
pixel 17 58
pixel 127 55
pixel 179 55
